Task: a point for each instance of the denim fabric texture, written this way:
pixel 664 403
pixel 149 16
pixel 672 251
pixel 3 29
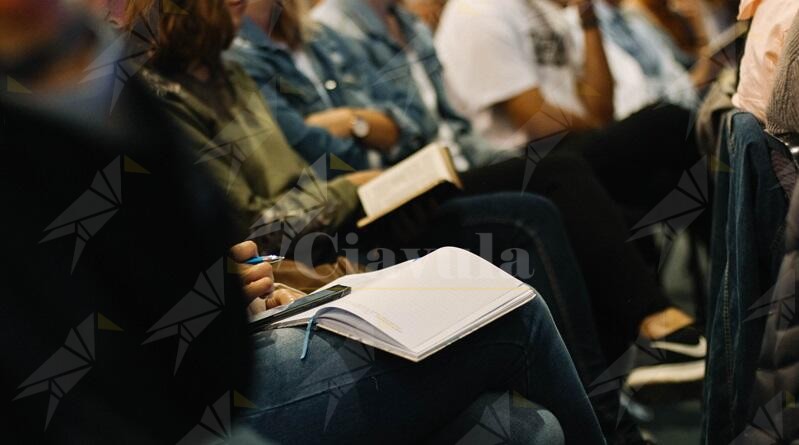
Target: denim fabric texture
pixel 373 392
pixel 349 81
pixel 746 251
pixel 345 389
pixel 356 19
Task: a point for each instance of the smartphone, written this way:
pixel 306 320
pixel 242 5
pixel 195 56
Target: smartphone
pixel 311 301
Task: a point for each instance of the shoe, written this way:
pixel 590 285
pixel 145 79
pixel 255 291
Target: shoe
pixel 669 368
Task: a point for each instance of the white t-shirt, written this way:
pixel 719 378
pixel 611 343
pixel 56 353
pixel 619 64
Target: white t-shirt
pixel 304 64
pixel 493 50
pixel 427 91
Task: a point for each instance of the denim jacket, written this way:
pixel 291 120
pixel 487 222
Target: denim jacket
pixel 355 19
pixel 349 82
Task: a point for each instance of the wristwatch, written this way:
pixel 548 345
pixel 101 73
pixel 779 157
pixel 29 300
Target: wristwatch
pixel 360 127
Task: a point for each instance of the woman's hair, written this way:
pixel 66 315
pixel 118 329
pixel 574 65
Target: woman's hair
pixel 187 32
pixel 135 10
pixel 294 25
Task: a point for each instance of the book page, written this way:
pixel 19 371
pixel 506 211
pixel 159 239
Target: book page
pixel 416 302
pixel 405 181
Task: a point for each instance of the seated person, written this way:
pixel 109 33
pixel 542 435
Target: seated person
pixel 303 57
pixel 279 205
pixel 387 33
pixel 381 398
pixel 656 75
pixel 214 101
pixel 421 78
pixel 781 119
pixel 774 379
pixel 771 21
pixel 108 226
pixel 136 390
pixel 329 101
pixel 687 26
pixel 642 65
pixel 250 186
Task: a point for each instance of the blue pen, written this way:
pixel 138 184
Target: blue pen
pixel 271 259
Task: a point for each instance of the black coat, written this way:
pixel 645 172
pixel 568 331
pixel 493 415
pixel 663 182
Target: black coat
pixel 774 415
pixel 143 225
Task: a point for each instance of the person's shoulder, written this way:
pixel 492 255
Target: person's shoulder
pixel 233 68
pixel 239 78
pixel 333 14
pixel 162 87
pixel 173 97
pixel 328 37
pixel 420 28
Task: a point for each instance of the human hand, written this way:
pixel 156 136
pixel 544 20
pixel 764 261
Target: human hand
pixel 360 178
pixel 258 280
pixel 338 121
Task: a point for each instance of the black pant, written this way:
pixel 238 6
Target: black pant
pixel 600 181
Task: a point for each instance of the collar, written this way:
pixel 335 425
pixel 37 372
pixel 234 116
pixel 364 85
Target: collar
pixel 363 15
pixel 255 36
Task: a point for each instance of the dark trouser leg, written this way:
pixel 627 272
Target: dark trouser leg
pixel 622 287
pixel 640 160
pixel 345 392
pixel 526 221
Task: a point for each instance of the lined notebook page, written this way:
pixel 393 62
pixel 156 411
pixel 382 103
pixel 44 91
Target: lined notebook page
pixel 417 301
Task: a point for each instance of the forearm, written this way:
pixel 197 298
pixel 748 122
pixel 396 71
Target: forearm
pixel 550 120
pixel 704 71
pixel 596 84
pixel 537 118
pixel 383 133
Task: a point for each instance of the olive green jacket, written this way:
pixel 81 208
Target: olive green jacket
pixel 278 196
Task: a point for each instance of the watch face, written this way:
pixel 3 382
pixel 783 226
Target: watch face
pixel 360 128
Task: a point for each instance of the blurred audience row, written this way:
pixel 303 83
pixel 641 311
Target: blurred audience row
pixel 152 147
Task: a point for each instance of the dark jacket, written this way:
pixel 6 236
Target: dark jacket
pixel 275 194
pixel 109 233
pixel 774 415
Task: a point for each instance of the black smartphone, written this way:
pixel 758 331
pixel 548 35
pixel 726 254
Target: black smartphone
pixel 311 301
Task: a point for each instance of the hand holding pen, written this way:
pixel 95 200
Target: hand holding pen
pixel 257 277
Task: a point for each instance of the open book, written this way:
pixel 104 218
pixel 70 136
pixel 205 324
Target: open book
pixel 415 176
pixel 417 308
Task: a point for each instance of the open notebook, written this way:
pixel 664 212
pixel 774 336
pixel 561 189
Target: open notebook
pixel 417 308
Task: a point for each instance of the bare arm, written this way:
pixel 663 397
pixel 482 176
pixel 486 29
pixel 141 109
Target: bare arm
pixel 383 133
pixel 539 119
pixel 705 71
pixel 260 289
pixel 595 87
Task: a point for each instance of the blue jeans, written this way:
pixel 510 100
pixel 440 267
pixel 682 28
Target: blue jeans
pixel 396 400
pixel 746 250
pixel 532 223
pixel 345 392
